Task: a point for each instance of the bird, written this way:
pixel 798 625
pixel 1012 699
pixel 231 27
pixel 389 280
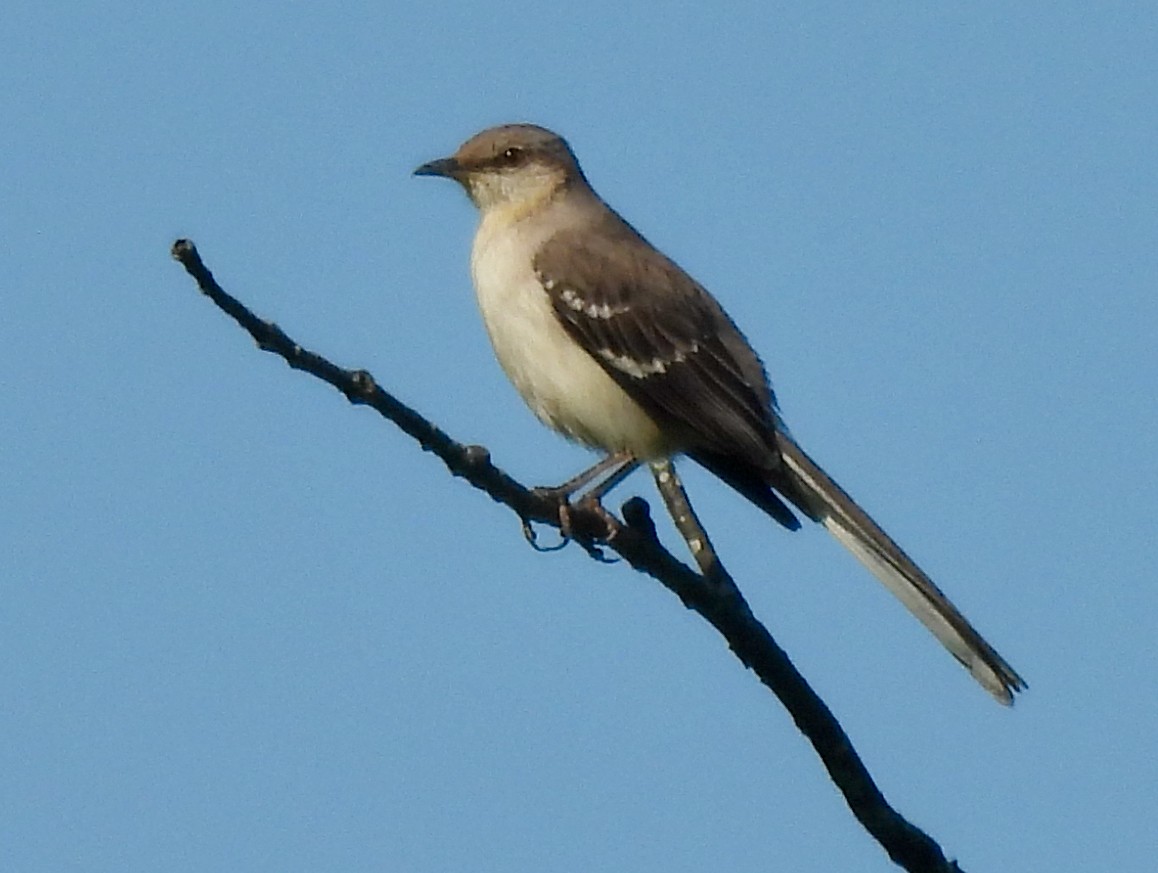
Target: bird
pixel 613 345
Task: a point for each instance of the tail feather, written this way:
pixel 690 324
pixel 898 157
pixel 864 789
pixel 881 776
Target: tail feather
pixel 751 484
pixel 818 496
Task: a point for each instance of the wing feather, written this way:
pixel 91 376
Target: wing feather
pixel 662 338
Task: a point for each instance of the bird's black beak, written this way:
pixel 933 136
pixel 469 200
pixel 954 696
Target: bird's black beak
pixel 448 167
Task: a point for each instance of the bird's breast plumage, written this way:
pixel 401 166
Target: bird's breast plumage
pixel 563 385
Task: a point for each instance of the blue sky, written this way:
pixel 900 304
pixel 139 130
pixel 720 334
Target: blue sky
pixel 245 626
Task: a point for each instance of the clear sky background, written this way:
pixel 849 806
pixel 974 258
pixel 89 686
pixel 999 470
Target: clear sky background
pixel 247 627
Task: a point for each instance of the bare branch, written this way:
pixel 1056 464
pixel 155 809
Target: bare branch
pixel 713 595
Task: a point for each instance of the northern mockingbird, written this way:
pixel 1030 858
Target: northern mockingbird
pixel 613 345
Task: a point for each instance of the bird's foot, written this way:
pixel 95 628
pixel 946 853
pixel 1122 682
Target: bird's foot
pixel 572 529
pixel 532 538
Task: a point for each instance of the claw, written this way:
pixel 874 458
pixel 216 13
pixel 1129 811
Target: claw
pixel 592 503
pixel 533 539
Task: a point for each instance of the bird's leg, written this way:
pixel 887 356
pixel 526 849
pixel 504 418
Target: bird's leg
pixel 564 491
pixel 593 498
pixel 615 468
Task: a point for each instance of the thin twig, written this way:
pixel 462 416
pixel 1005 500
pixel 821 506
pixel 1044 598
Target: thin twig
pixel 679 507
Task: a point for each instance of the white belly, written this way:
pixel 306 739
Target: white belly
pixel 562 384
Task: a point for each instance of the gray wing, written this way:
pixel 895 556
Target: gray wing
pixel 662 338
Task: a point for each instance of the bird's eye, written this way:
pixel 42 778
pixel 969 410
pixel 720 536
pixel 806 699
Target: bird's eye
pixel 512 155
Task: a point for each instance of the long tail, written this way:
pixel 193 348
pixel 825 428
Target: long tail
pixel 818 496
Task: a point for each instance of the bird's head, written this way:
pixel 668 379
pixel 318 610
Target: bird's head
pixel 511 165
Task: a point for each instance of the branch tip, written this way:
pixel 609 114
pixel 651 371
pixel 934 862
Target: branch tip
pixel 637 514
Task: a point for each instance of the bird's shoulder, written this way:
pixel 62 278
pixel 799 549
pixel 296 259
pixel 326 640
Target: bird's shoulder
pixel 605 267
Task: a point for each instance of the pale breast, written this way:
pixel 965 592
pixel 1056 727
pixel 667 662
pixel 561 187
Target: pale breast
pixel 561 383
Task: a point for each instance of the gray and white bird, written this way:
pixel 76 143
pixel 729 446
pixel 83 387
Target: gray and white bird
pixel 614 346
